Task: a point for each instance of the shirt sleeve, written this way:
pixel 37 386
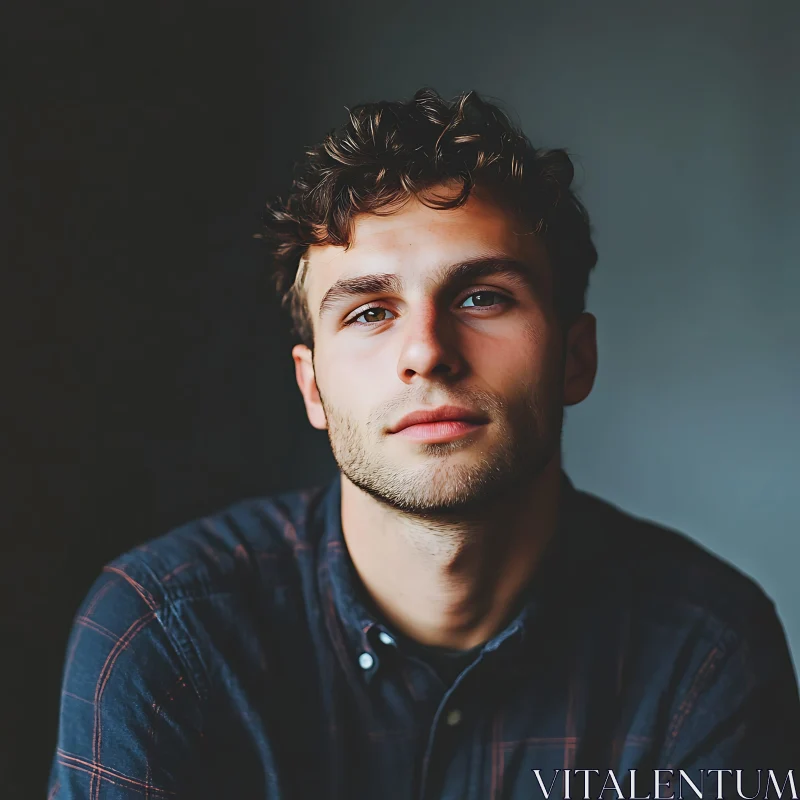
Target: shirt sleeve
pixel 130 711
pixel 740 709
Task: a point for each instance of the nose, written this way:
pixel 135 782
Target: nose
pixel 430 347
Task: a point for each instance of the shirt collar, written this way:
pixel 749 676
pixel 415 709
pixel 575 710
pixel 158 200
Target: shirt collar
pixel 359 624
pixel 340 580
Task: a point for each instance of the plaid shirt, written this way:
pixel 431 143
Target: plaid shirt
pixel 238 657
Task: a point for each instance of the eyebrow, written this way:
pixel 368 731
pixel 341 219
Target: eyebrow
pixel 460 273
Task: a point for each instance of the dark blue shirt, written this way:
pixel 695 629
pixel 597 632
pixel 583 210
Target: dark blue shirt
pixel 239 657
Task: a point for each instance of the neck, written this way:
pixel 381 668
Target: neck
pixel 451 583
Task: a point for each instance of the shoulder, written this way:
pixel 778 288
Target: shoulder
pixel 667 572
pixel 215 553
pixel 141 600
pixel 133 636
pixel 696 625
pixel 135 672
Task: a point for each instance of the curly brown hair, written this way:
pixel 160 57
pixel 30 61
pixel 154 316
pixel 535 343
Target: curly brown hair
pixel 390 151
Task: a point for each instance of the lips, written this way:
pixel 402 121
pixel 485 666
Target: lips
pixel 441 414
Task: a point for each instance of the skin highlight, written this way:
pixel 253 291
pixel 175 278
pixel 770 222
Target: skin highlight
pixel 444 535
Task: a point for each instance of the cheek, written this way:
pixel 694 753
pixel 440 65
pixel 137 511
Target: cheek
pixel 520 357
pixel 350 385
pixel 359 365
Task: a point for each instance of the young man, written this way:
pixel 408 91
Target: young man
pixel 450 617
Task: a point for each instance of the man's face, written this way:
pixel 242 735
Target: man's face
pixel 431 308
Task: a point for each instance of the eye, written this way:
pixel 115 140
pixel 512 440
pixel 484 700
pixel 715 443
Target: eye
pixel 484 299
pixel 372 315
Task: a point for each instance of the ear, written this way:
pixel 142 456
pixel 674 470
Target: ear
pixel 580 366
pixel 306 380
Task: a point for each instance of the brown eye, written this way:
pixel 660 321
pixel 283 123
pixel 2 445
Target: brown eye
pixel 372 315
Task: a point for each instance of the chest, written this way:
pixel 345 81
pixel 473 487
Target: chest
pixel 306 719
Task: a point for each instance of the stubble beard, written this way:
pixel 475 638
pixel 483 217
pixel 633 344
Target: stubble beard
pixel 526 436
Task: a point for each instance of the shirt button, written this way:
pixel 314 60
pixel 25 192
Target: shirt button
pixel 385 638
pixel 365 661
pixel 453 717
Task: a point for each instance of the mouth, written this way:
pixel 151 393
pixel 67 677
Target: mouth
pixel 441 424
pixel 443 431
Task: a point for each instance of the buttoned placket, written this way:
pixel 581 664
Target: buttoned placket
pixel 451 715
pixel 448 716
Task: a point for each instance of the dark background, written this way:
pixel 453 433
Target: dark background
pixel 148 374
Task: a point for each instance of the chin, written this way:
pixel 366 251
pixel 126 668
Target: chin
pixel 465 448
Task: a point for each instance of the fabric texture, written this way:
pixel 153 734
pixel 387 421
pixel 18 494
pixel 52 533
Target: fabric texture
pixel 238 656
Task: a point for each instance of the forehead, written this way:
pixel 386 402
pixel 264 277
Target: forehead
pixel 416 241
